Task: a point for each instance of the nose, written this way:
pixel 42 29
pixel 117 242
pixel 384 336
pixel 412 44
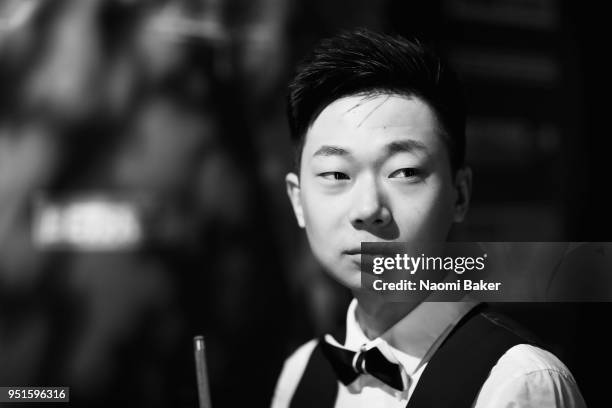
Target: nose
pixel 368 208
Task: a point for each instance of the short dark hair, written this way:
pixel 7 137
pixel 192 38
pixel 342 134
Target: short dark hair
pixel 367 62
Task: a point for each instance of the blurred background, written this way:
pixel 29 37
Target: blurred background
pixel 168 115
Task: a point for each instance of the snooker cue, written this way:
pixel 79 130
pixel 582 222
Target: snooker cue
pixel 199 351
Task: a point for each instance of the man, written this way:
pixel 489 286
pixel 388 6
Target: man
pixel 378 123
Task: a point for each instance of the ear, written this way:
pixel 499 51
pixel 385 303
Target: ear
pixel 463 186
pixel 293 191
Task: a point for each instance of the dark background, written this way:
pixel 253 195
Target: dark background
pixel 182 103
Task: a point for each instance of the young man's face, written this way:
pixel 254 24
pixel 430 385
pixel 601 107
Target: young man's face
pixel 375 169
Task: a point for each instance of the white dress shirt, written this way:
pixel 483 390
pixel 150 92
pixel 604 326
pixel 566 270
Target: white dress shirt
pixel 525 376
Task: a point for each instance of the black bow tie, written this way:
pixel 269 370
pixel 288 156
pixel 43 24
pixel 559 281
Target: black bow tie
pixel 349 365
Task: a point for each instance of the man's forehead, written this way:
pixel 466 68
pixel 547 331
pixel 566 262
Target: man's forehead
pixel 372 122
pixel 374 112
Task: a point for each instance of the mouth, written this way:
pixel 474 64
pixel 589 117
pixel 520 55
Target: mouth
pixel 359 251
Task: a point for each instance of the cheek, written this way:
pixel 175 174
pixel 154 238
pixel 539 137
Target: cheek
pixel 427 216
pixel 317 212
pixel 319 230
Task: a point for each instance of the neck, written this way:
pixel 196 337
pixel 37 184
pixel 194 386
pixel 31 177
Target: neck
pixel 376 315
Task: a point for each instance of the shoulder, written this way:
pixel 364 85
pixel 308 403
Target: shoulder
pixel 527 375
pixel 525 359
pixel 292 372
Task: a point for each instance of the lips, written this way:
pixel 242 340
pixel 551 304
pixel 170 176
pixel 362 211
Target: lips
pixel 361 252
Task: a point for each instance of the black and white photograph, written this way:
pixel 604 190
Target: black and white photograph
pixel 305 203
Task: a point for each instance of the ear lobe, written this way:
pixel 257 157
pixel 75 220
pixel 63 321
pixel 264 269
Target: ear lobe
pixel 463 186
pixel 293 191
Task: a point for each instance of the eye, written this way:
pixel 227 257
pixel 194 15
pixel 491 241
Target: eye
pixel 404 173
pixel 334 175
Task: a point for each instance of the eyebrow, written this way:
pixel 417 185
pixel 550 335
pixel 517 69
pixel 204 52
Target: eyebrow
pixel 402 146
pixel 327 150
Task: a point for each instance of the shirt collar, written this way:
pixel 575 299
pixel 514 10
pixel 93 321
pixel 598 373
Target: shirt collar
pixel 413 339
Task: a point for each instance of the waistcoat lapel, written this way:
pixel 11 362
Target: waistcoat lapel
pixel 458 369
